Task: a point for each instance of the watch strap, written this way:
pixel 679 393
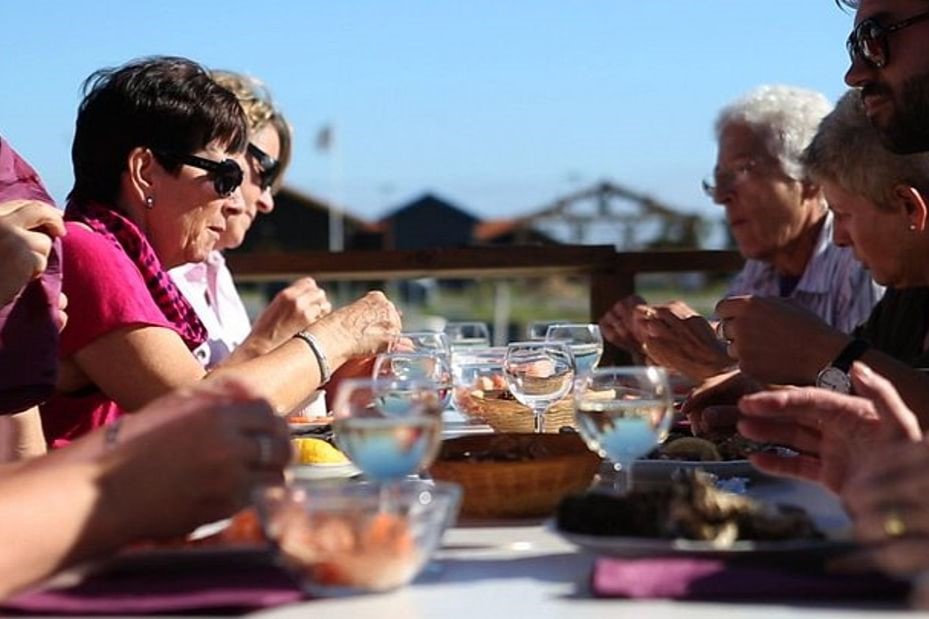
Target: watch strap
pixel 852 351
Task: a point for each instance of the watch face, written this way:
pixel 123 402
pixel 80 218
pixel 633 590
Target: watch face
pixel 835 379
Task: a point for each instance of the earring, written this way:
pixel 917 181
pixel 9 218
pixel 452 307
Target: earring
pixel 912 227
pixel 149 202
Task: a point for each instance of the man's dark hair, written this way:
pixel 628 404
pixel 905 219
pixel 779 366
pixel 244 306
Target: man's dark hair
pixel 847 4
pixel 165 103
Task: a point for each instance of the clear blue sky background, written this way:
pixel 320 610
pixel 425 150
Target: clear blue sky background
pixel 498 106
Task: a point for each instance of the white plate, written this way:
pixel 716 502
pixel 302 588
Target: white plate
pixel 650 546
pixel 324 471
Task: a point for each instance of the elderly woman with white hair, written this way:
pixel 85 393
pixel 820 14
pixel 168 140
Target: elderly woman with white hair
pixel 780 223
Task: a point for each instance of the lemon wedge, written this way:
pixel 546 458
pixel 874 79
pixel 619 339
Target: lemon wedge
pixel 316 451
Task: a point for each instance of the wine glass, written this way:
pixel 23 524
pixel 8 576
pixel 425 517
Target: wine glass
pixel 585 341
pixel 538 329
pixel 622 413
pixel 538 374
pixel 434 342
pixel 463 335
pixel 388 428
pixel 478 369
pixel 422 366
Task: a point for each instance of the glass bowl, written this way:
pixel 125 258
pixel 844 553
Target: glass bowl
pixel 355 538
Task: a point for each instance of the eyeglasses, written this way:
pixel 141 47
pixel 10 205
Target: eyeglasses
pixel 269 168
pixel 722 180
pixel 226 174
pixel 868 40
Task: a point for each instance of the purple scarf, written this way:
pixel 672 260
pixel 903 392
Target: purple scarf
pixel 127 236
pixel 28 324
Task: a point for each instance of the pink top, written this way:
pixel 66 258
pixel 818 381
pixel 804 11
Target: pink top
pixel 105 292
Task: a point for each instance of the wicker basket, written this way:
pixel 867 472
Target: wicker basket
pixel 561 465
pixel 507 415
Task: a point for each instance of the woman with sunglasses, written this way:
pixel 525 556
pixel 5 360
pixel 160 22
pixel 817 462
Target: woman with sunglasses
pixel 156 178
pixel 208 285
pixel 204 448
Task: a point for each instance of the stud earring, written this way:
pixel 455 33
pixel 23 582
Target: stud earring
pixel 149 202
pixel 912 228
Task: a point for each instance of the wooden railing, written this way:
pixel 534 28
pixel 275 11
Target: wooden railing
pixel 612 274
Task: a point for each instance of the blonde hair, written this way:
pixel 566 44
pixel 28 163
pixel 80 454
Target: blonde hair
pixel 848 150
pixel 260 112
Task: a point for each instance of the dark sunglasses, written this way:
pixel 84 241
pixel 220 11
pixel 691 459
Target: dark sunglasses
pixel 868 40
pixel 269 168
pixel 226 174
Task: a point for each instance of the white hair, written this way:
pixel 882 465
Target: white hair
pixel 786 117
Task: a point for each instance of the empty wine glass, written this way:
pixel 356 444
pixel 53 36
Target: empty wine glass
pixel 388 428
pixel 538 374
pixel 463 335
pixel 585 342
pixel 538 329
pixel 421 366
pixel 622 413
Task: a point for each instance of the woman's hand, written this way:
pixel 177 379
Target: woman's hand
pixel 888 500
pixel 775 341
pixel 27 228
pixel 292 310
pixel 711 406
pixel 362 329
pixel 831 432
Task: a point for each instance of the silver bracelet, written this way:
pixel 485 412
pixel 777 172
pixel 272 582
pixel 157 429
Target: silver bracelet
pixel 324 370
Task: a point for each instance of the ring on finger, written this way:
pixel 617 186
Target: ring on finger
pixel 265 450
pixel 893 524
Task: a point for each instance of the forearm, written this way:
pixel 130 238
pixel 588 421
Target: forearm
pixel 21 436
pixel 290 373
pixel 54 516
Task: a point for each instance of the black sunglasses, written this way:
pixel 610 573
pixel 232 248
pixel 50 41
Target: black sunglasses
pixel 226 174
pixel 269 168
pixel 868 40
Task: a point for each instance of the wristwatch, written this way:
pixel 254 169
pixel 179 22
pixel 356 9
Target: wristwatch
pixel 835 375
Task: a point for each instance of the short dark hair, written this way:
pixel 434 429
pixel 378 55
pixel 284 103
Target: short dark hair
pixel 847 4
pixel 166 103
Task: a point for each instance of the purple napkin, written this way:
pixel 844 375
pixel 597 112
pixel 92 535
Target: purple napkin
pixel 712 579
pixel 226 589
pixel 28 325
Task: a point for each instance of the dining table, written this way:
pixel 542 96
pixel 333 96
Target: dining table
pixel 525 568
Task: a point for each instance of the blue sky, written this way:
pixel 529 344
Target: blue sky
pixel 498 106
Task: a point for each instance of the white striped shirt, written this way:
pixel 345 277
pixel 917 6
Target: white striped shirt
pixel 834 286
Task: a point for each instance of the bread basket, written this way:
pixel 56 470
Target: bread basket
pixel 515 475
pixel 503 413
